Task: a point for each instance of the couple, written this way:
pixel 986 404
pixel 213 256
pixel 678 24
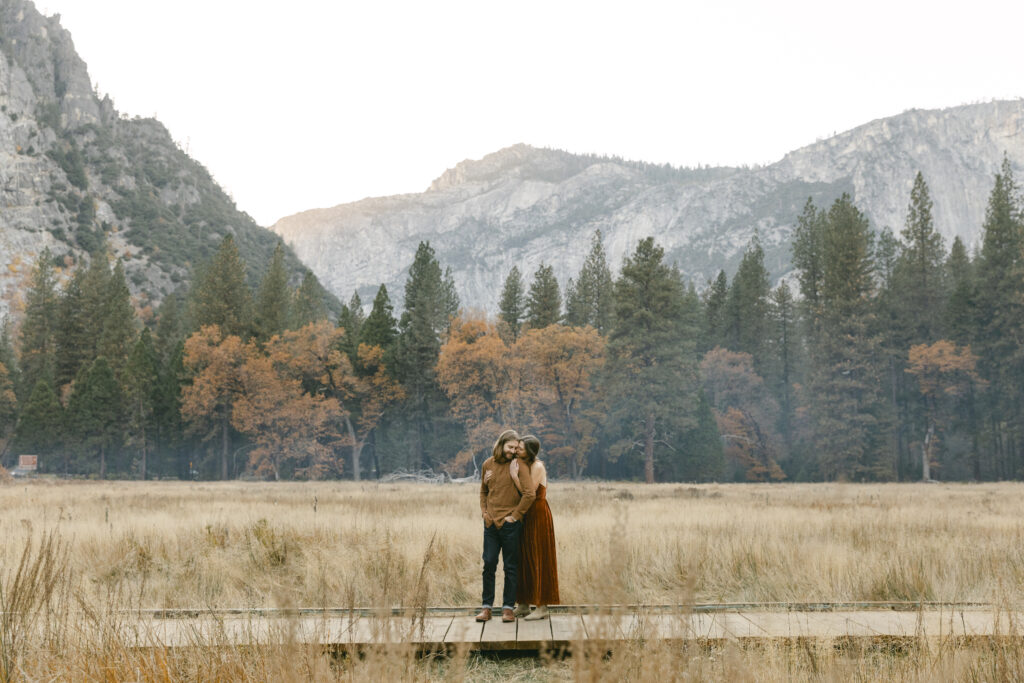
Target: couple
pixel 511 481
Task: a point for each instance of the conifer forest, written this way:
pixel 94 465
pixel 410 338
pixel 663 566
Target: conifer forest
pixel 884 356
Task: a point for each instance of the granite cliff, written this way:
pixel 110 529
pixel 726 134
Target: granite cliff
pixel 531 205
pixel 75 174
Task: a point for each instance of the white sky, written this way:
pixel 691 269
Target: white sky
pixel 311 103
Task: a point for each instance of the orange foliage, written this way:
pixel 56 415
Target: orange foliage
pixel 558 363
pixel 941 368
pixel 483 379
pixel 214 362
pixel 744 411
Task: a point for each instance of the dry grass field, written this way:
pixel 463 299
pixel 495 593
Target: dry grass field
pixel 126 545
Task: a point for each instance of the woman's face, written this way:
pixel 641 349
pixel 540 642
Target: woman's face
pixel 520 450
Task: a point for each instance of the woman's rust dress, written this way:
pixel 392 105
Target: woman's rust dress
pixel 538 568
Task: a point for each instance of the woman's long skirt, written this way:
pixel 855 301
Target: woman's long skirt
pixel 538 567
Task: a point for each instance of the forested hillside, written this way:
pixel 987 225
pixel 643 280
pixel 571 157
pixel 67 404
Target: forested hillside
pixel 890 356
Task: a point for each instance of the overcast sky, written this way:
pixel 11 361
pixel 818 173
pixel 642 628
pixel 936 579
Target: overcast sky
pixel 312 103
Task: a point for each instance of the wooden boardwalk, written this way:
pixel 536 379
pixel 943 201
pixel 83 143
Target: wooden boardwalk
pixel 569 628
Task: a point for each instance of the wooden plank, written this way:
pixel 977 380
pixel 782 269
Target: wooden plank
pixel 567 627
pixel 533 635
pixel 498 635
pixel 464 630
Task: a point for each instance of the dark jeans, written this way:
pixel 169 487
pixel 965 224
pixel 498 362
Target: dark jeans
pixel 505 541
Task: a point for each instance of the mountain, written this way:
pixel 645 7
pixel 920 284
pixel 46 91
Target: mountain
pixel 75 173
pixel 531 206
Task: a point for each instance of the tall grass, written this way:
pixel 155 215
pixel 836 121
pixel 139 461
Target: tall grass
pixel 80 559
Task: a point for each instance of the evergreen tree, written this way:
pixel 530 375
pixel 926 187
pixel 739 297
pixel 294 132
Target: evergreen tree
pixel 351 319
pixel 426 317
pixel 221 296
pixel 7 356
pixel 590 299
pixel 310 303
pixel 76 340
pixel 1000 324
pixel 544 302
pixel 96 413
pixel 273 298
pixel 118 326
pixel 39 428
pixel 449 298
pixel 512 307
pixel 170 327
pixel 921 266
pixel 142 382
pixel 715 300
pixel 847 410
pixel 959 314
pixel 808 258
pixel 380 328
pixel 169 438
pixel 38 333
pixel 783 348
pixel 652 378
pixel 747 306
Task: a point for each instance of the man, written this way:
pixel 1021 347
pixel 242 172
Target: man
pixel 502 507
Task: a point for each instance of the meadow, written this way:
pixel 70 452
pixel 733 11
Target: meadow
pixel 100 548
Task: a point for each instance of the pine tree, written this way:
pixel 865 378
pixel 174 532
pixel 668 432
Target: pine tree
pixel 958 316
pixel 310 304
pixel 118 326
pixel 38 334
pixel 512 307
pixel 273 298
pixel 449 298
pixel 652 379
pixel 380 328
pixel 783 349
pixel 76 341
pixel 351 319
pixel 426 317
pixel 142 382
pixel 921 260
pixel 7 356
pixel 807 255
pixel 589 299
pixel 746 307
pixel 716 297
pixel 847 411
pixel 544 302
pixel 1000 325
pixel 39 429
pixel 96 413
pixel 221 296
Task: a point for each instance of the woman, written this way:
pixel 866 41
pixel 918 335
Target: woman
pixel 538 576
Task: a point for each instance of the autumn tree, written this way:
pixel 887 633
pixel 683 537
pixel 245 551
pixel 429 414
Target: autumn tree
pixel 288 425
pixel 559 364
pixel 483 381
pixel 944 374
pixel 745 411
pixel 213 361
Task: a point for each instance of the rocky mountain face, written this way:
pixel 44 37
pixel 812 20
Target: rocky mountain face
pixel 74 175
pixel 531 206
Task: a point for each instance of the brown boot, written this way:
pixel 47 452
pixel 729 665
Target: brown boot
pixel 485 614
pixel 507 614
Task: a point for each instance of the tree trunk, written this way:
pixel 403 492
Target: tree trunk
pixel 649 450
pixel 357 448
pixel 926 453
pixel 143 473
pixel 225 447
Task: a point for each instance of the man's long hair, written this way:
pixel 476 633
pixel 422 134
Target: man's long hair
pixel 499 445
